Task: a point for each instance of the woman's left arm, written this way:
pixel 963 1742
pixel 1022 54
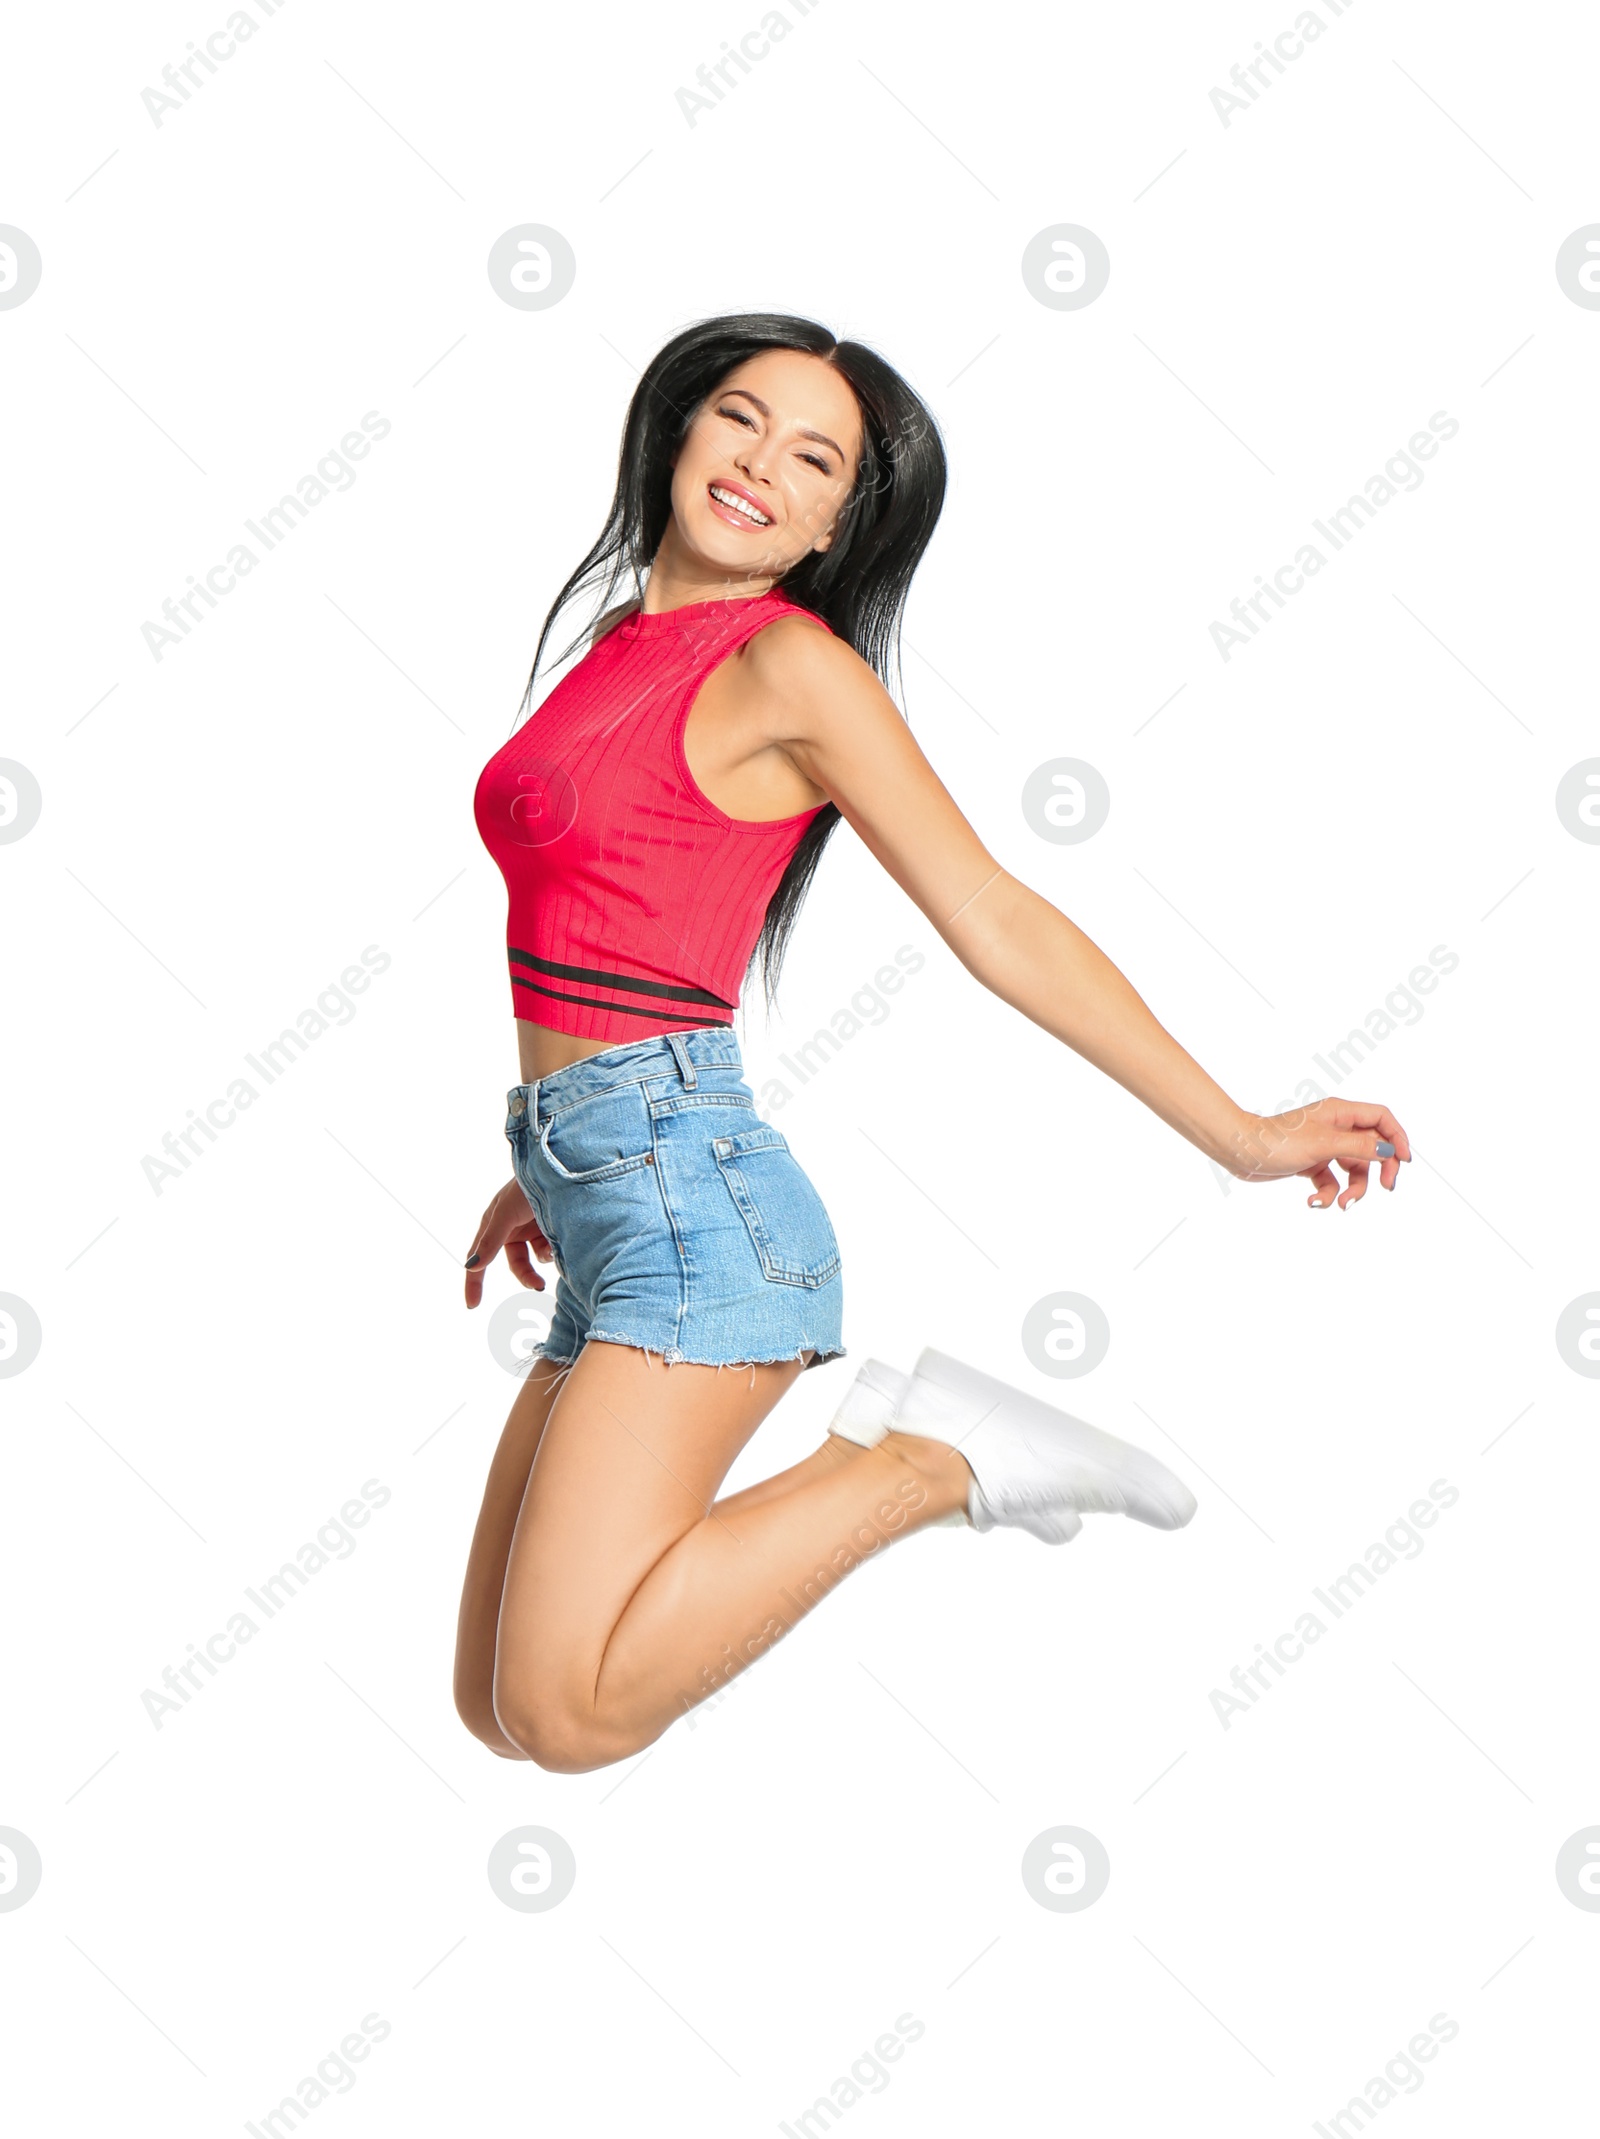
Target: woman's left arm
pixel 834 720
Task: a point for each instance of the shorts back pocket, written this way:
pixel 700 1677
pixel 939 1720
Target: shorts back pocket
pixel 787 1220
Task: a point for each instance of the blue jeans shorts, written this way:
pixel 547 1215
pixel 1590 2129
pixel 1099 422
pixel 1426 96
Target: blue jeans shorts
pixel 680 1221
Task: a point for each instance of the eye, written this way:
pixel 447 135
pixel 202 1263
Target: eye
pixel 739 415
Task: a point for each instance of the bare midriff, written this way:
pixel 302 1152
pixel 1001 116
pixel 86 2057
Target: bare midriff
pixel 540 1050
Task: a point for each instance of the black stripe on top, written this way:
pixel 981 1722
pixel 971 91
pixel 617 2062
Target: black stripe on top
pixel 612 980
pixel 621 1010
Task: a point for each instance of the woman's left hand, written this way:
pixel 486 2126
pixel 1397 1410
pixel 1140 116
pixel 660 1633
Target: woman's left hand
pixel 1353 1133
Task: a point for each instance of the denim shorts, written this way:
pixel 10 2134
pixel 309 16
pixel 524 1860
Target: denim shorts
pixel 680 1221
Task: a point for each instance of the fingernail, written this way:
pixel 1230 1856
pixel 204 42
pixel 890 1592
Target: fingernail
pixel 471 1259
pixel 1385 1151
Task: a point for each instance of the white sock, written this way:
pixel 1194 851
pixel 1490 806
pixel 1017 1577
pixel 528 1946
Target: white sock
pixel 869 1403
pixel 867 1410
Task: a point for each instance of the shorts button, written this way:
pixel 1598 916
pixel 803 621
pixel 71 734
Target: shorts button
pixel 519 1106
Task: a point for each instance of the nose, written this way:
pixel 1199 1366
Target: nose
pixel 753 457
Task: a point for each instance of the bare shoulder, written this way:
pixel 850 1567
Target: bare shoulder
pixel 808 679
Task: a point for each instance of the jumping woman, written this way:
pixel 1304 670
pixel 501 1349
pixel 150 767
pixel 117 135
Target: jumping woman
pixel 657 823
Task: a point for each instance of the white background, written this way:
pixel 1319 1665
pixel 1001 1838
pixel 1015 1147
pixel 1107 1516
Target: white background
pixel 836 1842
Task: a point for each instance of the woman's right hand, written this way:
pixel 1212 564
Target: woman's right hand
pixel 508 1223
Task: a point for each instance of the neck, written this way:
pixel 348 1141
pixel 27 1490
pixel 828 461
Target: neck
pixel 676 580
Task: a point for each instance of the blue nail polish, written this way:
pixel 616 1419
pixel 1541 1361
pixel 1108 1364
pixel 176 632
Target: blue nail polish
pixel 1385 1151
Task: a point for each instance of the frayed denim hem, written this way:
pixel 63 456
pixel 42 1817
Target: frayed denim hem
pixel 673 1357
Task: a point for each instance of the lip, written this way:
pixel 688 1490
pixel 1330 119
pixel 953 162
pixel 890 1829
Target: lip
pixel 736 519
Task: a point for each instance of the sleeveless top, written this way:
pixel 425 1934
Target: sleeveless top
pixel 635 903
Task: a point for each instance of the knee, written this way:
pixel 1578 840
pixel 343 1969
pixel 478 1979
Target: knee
pixel 476 1710
pixel 556 1737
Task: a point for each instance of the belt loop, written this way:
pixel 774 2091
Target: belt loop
pixel 680 1054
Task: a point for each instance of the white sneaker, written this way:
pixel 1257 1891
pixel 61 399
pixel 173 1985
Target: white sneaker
pixel 867 1410
pixel 1035 1468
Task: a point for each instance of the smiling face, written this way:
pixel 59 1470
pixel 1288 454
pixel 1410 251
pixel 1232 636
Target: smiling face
pixel 764 469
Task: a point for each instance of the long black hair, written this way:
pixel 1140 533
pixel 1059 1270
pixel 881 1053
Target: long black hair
pixel 858 585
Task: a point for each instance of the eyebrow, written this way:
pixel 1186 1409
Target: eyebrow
pixel 821 437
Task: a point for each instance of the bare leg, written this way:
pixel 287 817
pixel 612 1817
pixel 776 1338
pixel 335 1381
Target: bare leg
pixel 479 1618
pixel 819 1464
pixel 629 1596
pixel 486 1563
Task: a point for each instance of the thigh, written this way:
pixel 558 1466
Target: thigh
pixel 631 1458
pixel 491 1541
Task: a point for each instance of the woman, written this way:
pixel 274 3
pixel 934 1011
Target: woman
pixel 658 823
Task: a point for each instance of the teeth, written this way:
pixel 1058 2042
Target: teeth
pixel 738 504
